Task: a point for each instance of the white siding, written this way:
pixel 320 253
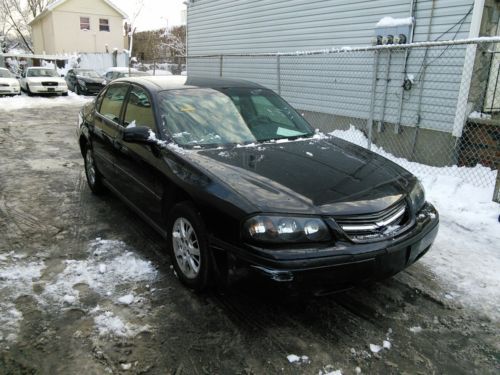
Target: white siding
pixel 338 84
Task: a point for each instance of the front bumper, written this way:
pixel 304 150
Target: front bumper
pixel 345 262
pixel 91 89
pixel 10 90
pixel 48 89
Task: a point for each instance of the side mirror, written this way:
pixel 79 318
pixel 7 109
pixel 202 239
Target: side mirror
pixel 138 134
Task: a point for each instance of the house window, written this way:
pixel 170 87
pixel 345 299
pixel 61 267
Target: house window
pixel 103 24
pixel 84 23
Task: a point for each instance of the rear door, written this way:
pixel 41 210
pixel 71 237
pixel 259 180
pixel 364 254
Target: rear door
pixel 138 165
pixel 107 126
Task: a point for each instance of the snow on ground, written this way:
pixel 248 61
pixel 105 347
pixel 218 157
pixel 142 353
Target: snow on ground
pixel 17 277
pixel 23 101
pixel 110 269
pixel 108 324
pixel 466 253
pixel 110 264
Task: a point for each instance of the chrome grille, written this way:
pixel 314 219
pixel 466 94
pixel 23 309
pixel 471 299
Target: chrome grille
pixel 49 83
pixel 374 226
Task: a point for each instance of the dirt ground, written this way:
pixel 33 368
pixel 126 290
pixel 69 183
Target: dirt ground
pixel 63 311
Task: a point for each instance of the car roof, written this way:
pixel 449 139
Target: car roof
pixel 40 67
pixel 161 83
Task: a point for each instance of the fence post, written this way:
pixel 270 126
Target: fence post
pixel 278 72
pixel 221 63
pixel 496 194
pixel 372 99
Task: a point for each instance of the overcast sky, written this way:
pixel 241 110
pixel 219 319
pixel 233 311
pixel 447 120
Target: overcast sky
pixel 155 14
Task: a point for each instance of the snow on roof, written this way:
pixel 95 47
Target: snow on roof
pixel 56 3
pixel 393 22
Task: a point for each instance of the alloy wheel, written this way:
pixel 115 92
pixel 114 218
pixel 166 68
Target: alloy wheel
pixel 186 248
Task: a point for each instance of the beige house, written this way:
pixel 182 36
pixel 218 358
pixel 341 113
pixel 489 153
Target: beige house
pixel 67 26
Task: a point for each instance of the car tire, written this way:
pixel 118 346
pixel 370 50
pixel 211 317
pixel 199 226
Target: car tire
pixel 188 246
pixel 94 178
pixel 65 93
pixel 78 91
pixel 28 91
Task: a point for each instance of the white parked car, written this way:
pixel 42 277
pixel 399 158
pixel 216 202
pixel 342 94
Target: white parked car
pixel 35 80
pixel 9 85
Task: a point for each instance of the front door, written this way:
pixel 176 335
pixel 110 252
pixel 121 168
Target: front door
pixel 138 165
pixel 107 125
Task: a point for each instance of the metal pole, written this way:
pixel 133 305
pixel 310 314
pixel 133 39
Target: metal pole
pixel 221 63
pixel 372 99
pixel 382 108
pixel 278 72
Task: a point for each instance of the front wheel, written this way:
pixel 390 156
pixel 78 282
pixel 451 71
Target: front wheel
pixel 28 91
pixel 94 179
pixel 188 246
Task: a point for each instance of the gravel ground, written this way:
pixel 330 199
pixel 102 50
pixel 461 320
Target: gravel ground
pixel 86 288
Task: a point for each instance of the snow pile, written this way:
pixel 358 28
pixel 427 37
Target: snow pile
pixel 329 370
pixel 292 358
pixel 394 22
pixel 466 253
pixel 22 101
pixel 109 265
pixel 476 115
pixel 108 324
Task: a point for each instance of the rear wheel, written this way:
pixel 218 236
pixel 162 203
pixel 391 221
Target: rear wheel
pixel 94 179
pixel 188 246
pixel 78 91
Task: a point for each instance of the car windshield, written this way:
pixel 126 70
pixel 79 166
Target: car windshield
pixel 209 117
pixel 88 73
pixel 4 73
pixel 41 73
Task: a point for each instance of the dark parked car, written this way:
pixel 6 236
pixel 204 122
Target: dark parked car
pixel 235 179
pixel 84 81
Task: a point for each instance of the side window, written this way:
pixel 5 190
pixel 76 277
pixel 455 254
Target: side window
pixel 139 109
pixel 112 102
pixel 109 75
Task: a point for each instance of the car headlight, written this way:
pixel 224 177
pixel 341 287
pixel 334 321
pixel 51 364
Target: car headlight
pixel 284 229
pixel 81 82
pixel 417 196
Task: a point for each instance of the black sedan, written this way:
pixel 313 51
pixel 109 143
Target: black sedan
pixel 235 179
pixel 84 81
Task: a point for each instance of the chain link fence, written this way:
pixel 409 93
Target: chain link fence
pixel 432 107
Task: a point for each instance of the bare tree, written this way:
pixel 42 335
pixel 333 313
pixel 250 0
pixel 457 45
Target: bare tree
pixel 16 15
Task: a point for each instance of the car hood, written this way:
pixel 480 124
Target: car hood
pixel 90 80
pixel 325 176
pixel 9 81
pixel 45 79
